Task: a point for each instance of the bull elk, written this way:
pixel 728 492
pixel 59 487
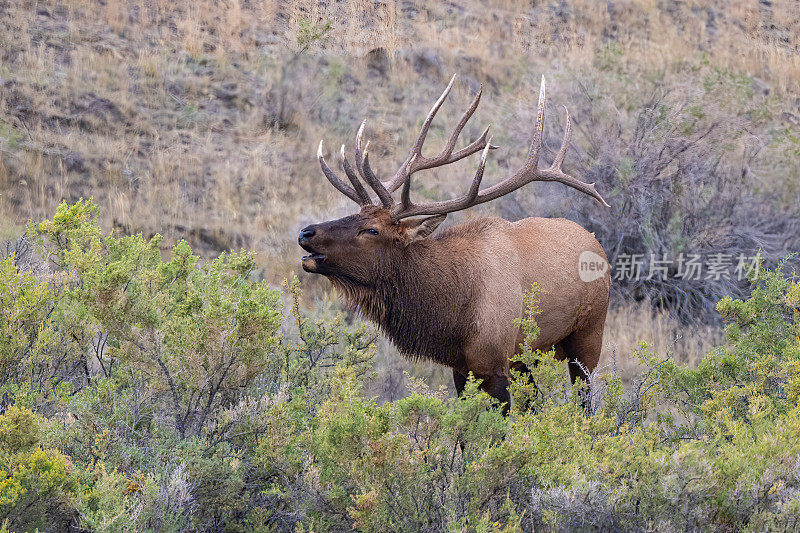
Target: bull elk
pixel 453 297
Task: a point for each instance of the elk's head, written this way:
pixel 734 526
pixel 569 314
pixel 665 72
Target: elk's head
pixel 358 246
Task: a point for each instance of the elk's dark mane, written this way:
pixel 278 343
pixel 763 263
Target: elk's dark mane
pixel 419 298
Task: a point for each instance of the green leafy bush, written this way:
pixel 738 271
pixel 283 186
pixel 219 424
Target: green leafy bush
pixel 143 393
pixel 37 356
pixel 36 484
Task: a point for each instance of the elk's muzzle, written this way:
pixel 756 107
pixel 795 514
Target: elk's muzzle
pixel 311 262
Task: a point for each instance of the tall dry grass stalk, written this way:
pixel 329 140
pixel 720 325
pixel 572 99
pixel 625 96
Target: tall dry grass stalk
pixel 628 326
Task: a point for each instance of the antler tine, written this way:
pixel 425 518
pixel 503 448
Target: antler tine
pixel 565 143
pixel 532 159
pixel 476 181
pixel 384 195
pixel 341 186
pixel 409 209
pixel 416 150
pixel 446 156
pixel 416 161
pixel 362 164
pixel 527 173
pixel 474 147
pixel 351 175
pixel 530 171
pixel 554 173
pixel 405 196
pixel 538 132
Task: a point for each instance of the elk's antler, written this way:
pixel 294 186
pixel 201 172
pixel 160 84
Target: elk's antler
pixel 415 162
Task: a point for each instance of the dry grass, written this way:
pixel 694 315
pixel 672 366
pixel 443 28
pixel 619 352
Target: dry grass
pixel 630 325
pixel 199 119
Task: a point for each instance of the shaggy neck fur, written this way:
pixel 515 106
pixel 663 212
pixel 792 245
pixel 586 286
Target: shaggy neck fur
pixel 424 300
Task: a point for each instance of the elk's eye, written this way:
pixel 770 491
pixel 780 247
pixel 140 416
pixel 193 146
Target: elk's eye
pixel 371 231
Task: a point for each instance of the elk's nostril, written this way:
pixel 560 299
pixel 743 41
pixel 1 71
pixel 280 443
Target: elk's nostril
pixel 306 234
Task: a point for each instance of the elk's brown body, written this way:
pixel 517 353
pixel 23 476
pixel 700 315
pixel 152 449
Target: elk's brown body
pixel 454 297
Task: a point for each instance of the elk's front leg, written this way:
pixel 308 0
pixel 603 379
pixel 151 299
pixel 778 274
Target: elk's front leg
pixel 497 387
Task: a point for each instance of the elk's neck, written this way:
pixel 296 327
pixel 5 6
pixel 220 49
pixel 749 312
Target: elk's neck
pixel 424 303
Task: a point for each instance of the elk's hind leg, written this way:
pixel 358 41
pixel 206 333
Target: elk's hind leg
pixel 582 351
pixel 460 381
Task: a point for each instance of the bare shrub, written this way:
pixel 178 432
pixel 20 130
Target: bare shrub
pixel 25 257
pixel 682 186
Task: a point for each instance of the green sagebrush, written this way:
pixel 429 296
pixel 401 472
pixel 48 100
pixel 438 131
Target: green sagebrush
pixel 148 394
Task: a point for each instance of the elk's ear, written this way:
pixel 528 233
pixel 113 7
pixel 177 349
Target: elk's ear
pixel 419 229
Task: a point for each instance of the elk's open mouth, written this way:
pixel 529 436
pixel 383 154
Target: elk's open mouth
pixel 312 254
pixel 314 262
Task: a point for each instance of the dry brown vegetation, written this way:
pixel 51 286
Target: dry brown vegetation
pixel 199 119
